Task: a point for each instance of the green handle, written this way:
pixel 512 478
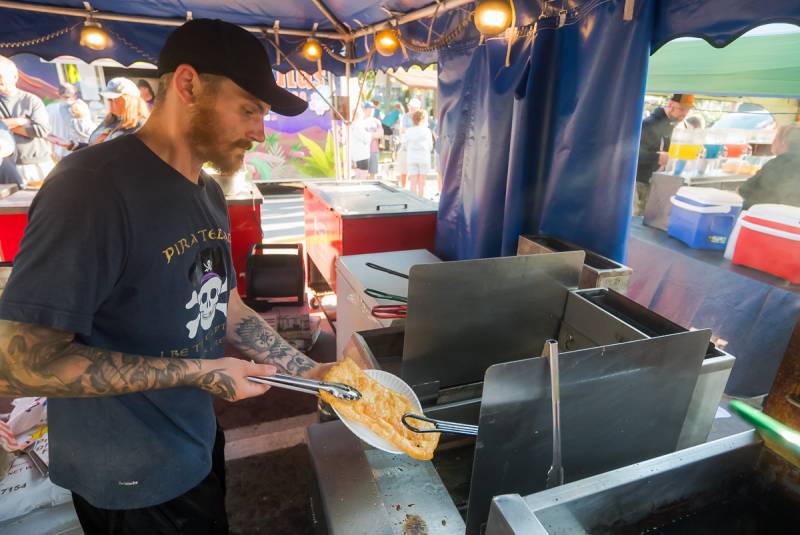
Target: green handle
pixel 769 427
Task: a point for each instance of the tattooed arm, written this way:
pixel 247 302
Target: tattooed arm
pixel 39 361
pixel 256 340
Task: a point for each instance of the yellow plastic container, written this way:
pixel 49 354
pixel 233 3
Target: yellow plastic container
pixel 685 151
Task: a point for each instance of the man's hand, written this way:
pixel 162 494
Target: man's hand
pixel 227 378
pixel 663 158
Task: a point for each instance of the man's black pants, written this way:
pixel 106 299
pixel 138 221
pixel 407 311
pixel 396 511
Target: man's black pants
pixel 201 510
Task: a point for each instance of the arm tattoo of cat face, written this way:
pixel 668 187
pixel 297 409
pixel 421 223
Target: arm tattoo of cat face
pixel 256 339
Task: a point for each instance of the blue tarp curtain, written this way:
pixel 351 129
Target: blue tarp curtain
pixel 568 112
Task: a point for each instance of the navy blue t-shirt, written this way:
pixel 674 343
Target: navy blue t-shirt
pixel 129 255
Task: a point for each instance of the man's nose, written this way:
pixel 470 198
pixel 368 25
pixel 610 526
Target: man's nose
pixel 257 133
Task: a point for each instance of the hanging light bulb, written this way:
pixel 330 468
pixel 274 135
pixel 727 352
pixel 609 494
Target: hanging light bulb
pixel 312 49
pixel 493 17
pixel 94 36
pixel 386 42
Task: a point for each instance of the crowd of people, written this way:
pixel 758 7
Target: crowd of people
pixel 406 132
pixel 34 137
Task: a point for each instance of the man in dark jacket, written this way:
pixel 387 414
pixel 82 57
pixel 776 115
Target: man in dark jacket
pixel 654 143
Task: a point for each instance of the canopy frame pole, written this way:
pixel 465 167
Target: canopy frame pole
pixel 348 161
pixel 337 160
pixel 444 6
pixel 156 21
pixel 325 10
pixel 412 16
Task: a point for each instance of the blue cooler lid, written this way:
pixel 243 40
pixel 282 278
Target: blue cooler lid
pixel 706 197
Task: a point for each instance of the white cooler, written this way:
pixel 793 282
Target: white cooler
pixel 353 306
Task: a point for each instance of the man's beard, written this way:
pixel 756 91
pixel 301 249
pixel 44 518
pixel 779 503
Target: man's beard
pixel 204 135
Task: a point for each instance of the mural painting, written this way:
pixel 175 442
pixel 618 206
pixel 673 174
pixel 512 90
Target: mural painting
pixel 296 147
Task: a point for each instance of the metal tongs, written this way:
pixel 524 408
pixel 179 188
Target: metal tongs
pixel 440 426
pixel 555 475
pixel 308 386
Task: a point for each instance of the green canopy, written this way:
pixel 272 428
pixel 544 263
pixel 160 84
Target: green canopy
pixel 764 65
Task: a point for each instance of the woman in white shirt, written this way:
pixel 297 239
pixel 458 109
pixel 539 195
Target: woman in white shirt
pixel 418 143
pixel 360 139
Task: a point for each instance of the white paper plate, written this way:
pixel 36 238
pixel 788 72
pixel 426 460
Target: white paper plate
pixel 391 382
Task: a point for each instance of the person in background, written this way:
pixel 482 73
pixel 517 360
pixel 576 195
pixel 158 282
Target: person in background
pixel 25 116
pixel 376 112
pixel 778 181
pixel 127 111
pixel 654 143
pixel 360 140
pixel 373 126
pixel 405 122
pixel 147 94
pixel 81 124
pixel 418 142
pixel 391 119
pixel 779 143
pixel 8 167
pixel 61 118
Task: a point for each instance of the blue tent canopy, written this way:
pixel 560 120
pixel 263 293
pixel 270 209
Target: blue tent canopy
pixel 137 41
pixel 547 144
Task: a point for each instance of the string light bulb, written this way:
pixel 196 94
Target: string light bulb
pixel 312 49
pixel 93 36
pixel 386 42
pixel 493 17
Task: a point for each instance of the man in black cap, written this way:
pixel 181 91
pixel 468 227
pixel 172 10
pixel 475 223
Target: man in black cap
pixel 654 143
pixel 123 296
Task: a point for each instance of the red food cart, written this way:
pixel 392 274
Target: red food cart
pixel 350 218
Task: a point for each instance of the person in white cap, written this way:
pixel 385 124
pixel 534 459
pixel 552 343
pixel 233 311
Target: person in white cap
pixel 127 111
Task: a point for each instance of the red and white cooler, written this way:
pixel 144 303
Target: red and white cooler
pixel 767 238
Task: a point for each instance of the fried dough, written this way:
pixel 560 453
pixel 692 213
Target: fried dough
pixel 380 409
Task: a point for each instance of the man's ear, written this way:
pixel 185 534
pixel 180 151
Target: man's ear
pixel 185 83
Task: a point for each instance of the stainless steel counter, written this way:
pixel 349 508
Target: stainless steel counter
pixel 17 202
pixel 666 494
pixel 7 189
pixel 370 492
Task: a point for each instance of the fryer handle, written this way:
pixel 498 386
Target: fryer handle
pixel 440 426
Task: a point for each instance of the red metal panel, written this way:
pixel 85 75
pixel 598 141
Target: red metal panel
pixel 245 231
pixel 12 227
pixel 391 233
pixel 323 229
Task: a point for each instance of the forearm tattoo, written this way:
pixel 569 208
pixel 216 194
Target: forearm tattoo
pixel 260 342
pixel 37 361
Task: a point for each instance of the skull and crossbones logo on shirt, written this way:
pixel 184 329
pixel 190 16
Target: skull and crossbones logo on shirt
pixel 212 287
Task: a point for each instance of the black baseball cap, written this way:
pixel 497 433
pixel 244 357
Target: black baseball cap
pixel 225 49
